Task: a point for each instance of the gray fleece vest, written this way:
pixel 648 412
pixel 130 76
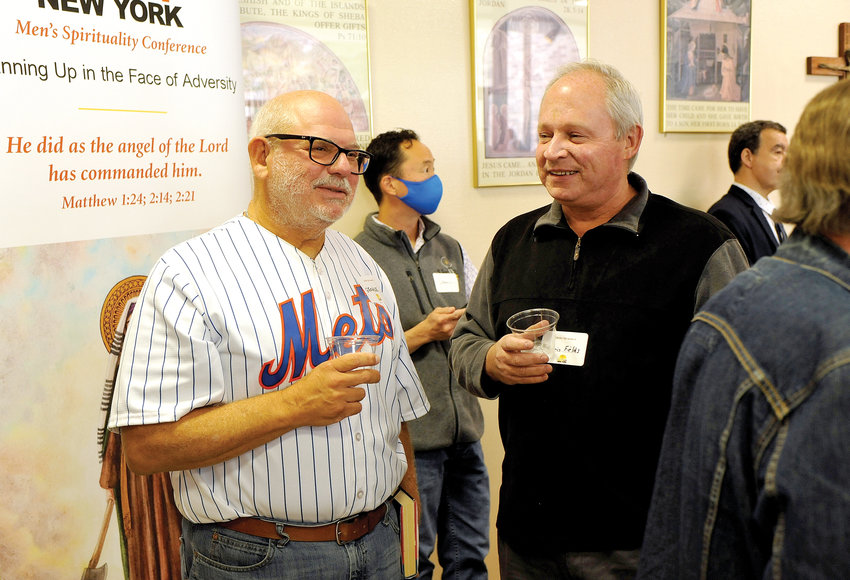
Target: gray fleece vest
pixel 455 415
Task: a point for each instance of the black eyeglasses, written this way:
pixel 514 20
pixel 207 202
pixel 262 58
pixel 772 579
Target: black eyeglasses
pixel 326 152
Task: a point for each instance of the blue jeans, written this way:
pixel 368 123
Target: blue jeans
pixel 454 491
pixel 210 552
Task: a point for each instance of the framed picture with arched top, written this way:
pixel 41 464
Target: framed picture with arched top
pixel 296 45
pixel 517 48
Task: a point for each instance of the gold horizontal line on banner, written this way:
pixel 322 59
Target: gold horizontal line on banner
pixel 122 110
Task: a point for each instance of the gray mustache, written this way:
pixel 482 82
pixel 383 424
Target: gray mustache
pixel 331 181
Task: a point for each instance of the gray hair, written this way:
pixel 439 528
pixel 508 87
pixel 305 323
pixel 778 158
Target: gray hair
pixel 621 98
pixel 274 116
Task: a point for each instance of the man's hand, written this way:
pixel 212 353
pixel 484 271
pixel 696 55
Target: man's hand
pixel 438 325
pixel 330 393
pixel 507 363
pixel 210 435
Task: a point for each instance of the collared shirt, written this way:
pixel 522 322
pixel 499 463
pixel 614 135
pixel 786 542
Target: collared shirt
pixel 629 288
pixel 721 268
pixel 765 205
pixel 238 312
pixel 470 272
pixel 727 261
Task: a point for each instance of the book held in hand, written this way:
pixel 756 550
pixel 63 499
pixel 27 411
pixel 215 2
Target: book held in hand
pixel 408 519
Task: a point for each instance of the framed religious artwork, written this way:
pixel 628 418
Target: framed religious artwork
pixel 297 44
pixel 705 65
pixel 517 48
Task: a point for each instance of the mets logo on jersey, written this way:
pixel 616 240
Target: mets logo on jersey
pixel 301 338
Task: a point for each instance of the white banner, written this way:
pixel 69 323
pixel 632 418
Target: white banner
pixel 120 117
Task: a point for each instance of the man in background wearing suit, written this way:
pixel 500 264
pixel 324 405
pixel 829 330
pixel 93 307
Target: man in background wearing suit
pixel 756 157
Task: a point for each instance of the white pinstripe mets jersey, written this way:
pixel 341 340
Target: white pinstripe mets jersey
pixel 237 312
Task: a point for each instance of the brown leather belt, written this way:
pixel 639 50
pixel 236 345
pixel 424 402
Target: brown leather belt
pixel 341 532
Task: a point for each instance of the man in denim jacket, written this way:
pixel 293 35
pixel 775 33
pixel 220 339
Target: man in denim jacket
pixel 754 475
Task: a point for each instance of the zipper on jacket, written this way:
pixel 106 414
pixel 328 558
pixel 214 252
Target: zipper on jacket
pixel 412 281
pixel 573 264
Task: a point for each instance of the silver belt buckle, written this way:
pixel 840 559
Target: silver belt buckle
pixel 337 530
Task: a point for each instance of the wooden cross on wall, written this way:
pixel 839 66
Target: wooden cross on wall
pixel 833 66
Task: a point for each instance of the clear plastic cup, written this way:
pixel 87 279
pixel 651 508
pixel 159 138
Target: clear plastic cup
pixel 342 345
pixel 537 325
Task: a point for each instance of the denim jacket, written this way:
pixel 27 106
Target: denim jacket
pixel 754 475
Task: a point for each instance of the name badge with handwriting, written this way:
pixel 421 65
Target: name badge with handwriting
pixel 570 348
pixel 372 289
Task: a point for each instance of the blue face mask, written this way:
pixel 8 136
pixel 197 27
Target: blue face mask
pixel 423 196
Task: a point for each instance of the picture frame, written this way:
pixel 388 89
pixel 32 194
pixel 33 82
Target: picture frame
pixel 517 48
pixel 705 65
pixel 297 44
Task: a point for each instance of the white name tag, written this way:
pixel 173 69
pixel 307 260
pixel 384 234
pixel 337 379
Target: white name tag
pixel 570 348
pixel 371 288
pixel 446 282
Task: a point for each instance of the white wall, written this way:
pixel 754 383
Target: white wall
pixel 421 79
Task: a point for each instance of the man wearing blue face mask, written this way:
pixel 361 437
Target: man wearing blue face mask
pixel 432 278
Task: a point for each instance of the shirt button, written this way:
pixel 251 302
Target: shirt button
pixel 359 495
pixel 358 436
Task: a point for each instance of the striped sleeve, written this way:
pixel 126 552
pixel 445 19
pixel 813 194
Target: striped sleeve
pixel 169 364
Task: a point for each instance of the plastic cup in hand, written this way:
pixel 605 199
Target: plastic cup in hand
pixel 538 325
pixel 342 345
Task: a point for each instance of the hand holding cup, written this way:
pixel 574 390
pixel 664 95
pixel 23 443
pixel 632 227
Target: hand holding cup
pixel 341 346
pixel 506 360
pixel 537 325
